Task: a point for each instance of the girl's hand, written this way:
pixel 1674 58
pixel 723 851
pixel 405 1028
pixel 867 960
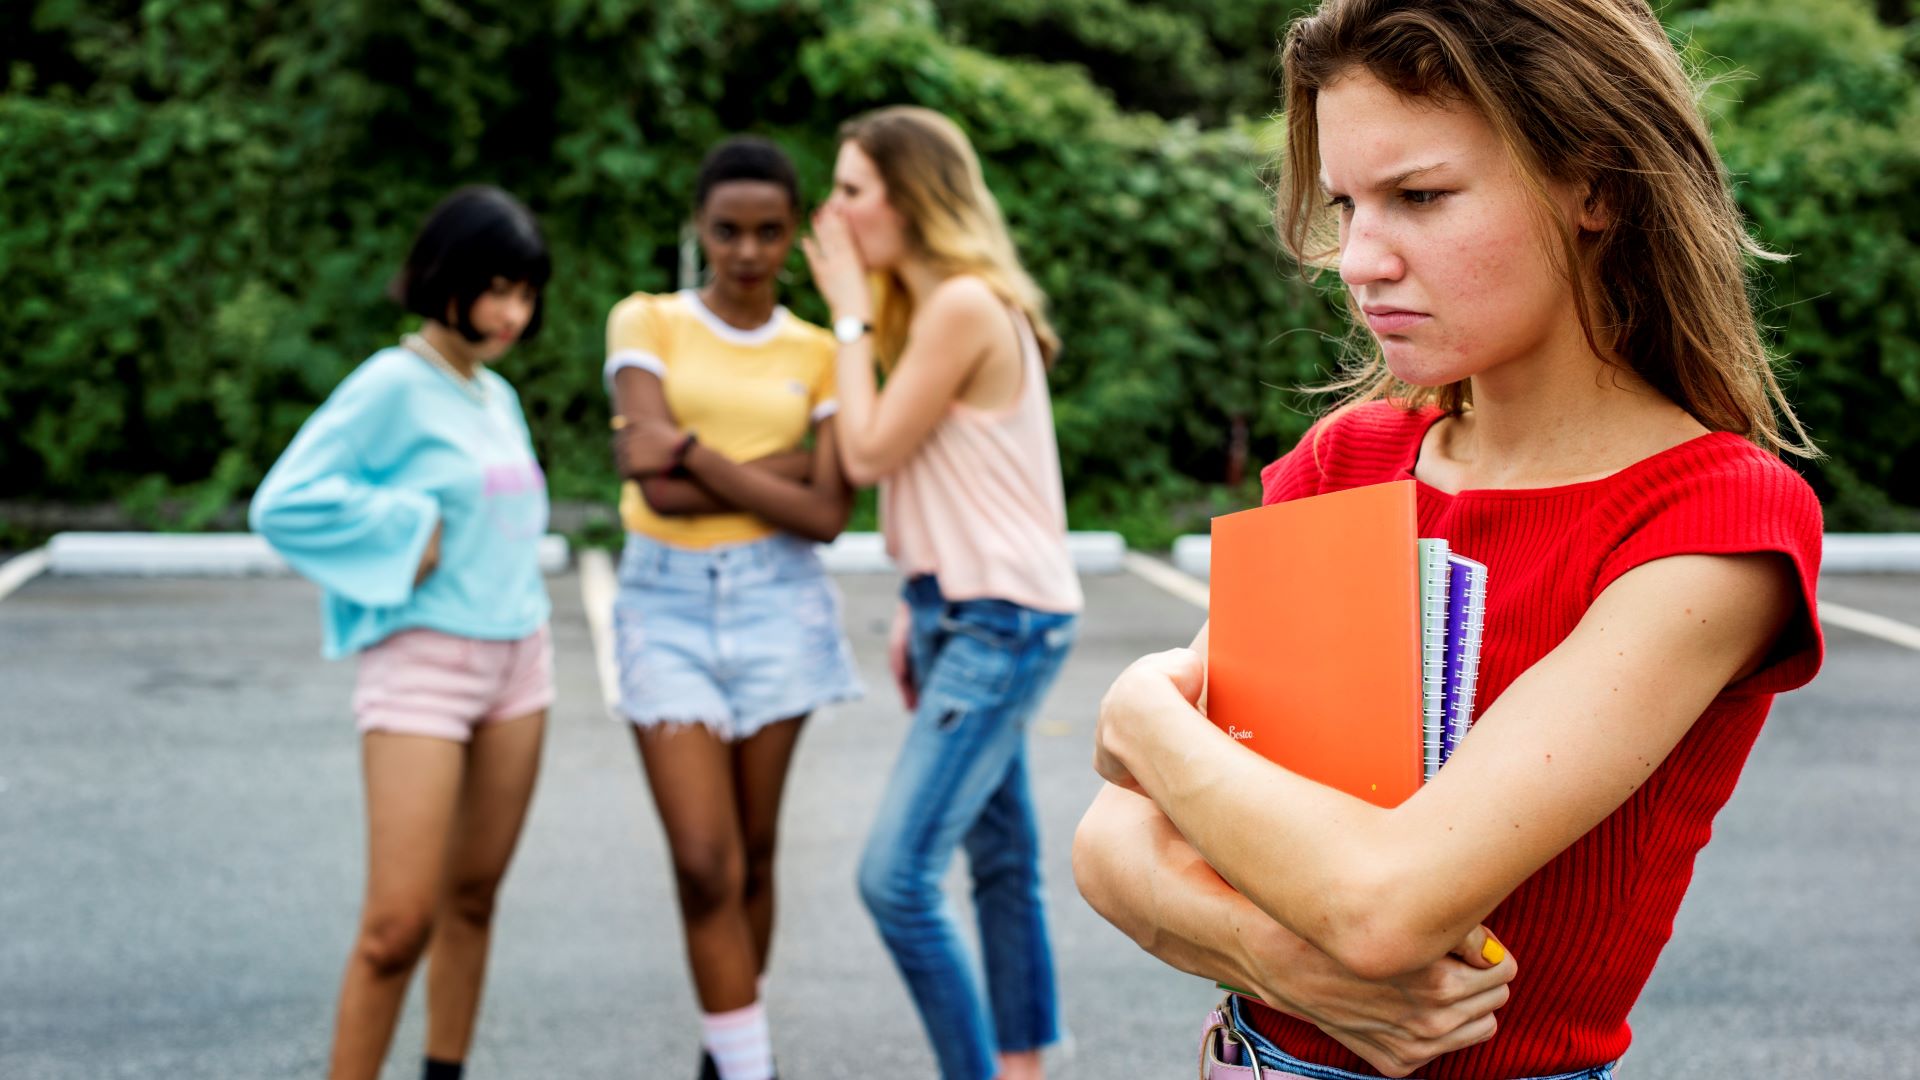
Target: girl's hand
pixel 900 657
pixel 645 447
pixel 1398 1025
pixel 1158 689
pixel 837 269
pixel 430 558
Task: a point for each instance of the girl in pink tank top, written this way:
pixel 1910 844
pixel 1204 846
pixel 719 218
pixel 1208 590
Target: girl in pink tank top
pixel 961 442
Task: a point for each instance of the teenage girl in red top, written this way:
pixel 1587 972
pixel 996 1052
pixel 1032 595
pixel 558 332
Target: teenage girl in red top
pixel 1527 213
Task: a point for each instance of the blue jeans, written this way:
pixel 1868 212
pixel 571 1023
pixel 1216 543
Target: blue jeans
pixel 982 667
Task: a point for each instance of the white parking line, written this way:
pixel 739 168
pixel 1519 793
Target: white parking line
pixel 597 588
pixel 21 569
pixel 1175 582
pixel 1860 622
pixel 1866 622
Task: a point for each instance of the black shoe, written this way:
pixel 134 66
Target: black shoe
pixel 708 1070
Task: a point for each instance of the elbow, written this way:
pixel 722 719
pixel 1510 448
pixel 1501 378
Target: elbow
pixel 1093 875
pixel 661 496
pixel 864 466
pixel 1375 927
pixel 860 474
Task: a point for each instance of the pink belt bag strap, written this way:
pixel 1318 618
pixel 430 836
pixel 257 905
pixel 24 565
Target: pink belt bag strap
pixel 1225 1053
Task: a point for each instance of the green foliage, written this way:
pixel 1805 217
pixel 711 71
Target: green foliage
pixel 1818 118
pixel 201 201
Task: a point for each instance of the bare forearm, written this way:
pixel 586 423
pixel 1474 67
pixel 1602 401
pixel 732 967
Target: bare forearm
pixel 815 512
pixel 859 397
pixel 1136 870
pixel 672 496
pixel 1346 891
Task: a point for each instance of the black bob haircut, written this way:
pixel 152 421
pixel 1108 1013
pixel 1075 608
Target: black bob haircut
pixel 475 235
pixel 746 157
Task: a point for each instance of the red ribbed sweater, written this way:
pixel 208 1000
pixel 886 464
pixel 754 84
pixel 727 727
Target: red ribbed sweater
pixel 1587 927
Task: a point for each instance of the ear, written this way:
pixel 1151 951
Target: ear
pixel 1594 215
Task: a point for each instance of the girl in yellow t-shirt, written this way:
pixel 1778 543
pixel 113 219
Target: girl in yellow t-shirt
pixel 727 627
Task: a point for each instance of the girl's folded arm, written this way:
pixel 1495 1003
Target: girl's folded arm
pixel 1388 891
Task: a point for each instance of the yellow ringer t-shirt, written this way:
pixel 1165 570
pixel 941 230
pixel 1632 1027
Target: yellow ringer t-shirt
pixel 747 393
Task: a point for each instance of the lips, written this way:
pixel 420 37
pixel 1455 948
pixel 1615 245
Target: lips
pixel 1387 320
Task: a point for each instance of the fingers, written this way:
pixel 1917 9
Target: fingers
pixel 1471 1033
pixel 1480 949
pixel 1184 667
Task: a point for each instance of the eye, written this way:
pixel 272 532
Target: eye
pixel 1422 198
pixel 723 232
pixel 770 233
pixel 1342 203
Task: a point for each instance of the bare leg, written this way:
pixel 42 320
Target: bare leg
pixel 760 776
pixel 413 787
pixel 690 770
pixel 502 761
pixel 1021 1065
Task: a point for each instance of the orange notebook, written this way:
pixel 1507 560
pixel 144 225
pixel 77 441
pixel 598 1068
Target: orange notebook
pixel 1313 651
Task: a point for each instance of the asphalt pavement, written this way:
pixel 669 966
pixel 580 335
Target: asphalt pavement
pixel 180 863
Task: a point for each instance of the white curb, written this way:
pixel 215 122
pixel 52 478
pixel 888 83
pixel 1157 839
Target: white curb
pixel 81 554
pixel 866 553
pixel 1870 553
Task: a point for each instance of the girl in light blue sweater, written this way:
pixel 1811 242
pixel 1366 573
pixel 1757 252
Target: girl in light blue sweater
pixel 412 498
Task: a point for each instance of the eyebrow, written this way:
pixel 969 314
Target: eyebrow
pixel 1394 181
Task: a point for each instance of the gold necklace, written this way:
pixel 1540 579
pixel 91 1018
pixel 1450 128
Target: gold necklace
pixel 419 346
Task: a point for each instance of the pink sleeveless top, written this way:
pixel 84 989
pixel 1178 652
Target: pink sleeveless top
pixel 980 503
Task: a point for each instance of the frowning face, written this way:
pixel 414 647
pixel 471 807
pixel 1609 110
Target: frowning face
pixel 1443 247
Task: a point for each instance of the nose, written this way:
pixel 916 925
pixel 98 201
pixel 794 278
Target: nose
pixel 1369 252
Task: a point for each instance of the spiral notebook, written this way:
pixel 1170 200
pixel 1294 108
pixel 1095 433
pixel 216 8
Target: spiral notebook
pixel 1466 625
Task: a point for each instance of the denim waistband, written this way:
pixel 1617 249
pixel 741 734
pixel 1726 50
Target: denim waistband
pixel 1274 1057
pixel 775 557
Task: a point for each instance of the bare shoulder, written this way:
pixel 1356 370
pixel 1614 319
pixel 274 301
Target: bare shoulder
pixel 960 298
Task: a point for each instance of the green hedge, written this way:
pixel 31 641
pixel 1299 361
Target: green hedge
pixel 200 201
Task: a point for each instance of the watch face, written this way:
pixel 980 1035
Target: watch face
pixel 849 329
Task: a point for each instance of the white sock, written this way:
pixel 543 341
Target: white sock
pixel 738 1040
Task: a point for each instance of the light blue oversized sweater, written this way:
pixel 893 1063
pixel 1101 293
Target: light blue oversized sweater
pixel 398 447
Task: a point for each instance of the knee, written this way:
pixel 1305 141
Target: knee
pixel 1012 862
pixel 759 863
pixel 886 887
pixel 391 941
pixel 472 901
pixel 710 878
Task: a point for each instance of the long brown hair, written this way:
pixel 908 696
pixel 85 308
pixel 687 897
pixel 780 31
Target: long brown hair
pixel 1588 93
pixel 934 181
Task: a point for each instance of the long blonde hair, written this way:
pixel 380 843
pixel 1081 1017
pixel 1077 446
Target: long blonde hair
pixel 934 181
pixel 1581 92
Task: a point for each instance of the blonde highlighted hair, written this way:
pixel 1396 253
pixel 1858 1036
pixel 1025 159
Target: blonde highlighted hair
pixel 1586 93
pixel 933 180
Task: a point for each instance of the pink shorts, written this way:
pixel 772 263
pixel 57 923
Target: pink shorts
pixel 424 682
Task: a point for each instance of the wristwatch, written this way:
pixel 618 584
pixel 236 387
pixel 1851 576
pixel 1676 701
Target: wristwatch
pixel 849 329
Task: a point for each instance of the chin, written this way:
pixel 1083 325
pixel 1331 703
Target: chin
pixel 1417 367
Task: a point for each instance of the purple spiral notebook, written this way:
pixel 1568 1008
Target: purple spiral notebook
pixel 1466 623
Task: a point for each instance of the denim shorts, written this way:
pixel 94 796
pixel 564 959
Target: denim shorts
pixel 1272 1057
pixel 732 637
